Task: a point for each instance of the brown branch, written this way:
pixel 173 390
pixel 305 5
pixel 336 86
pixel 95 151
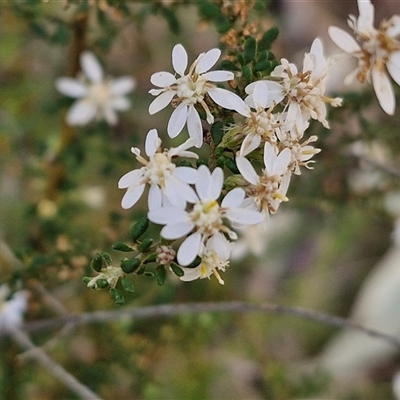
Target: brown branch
pixel 54 368
pixel 167 310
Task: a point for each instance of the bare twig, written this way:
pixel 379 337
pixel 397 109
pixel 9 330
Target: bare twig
pixel 167 310
pixel 388 168
pixel 55 369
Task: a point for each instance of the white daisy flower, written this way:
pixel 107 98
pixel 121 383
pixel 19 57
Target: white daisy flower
pixel 260 125
pixel 377 51
pixel 305 90
pixel 268 190
pixel 205 219
pixel 190 89
pixel 212 260
pixel 163 176
pixel 11 309
pixel 98 97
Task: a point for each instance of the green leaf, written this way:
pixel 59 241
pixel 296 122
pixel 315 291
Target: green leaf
pixel 139 228
pixel 61 34
pixel 127 285
pixel 145 245
pixel 247 73
pixel 249 49
pixel 177 270
pixel 130 265
pixel 229 65
pixel 231 165
pixel 185 163
pixel 97 262
pixel 121 246
pixel 117 296
pixel 161 275
pixel 217 132
pixel 222 23
pixel 171 19
pixel 209 10
pixel 194 263
pixel 101 283
pixel 106 259
pixel 201 161
pixel 262 66
pixel 268 39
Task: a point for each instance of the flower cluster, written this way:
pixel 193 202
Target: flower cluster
pixel 187 201
pixel 377 52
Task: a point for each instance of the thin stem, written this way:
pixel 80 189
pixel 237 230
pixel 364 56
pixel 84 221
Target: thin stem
pixel 54 368
pixel 167 310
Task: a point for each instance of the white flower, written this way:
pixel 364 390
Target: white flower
pixel 163 176
pixel 98 97
pixel 377 51
pixel 305 90
pixel 206 217
pixel 191 89
pixel 11 310
pixel 268 190
pixel 260 125
pixel 211 262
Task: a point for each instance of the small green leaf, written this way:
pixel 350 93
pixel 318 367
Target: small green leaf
pixel 194 263
pixel 209 10
pixel 161 275
pixel 150 258
pixel 101 283
pixel 247 73
pixel 249 49
pixel 268 39
pixel 184 163
pixel 171 19
pixel 127 285
pixel 201 161
pixel 121 246
pixel 86 279
pixel 262 66
pixel 139 228
pixel 117 296
pixel 145 245
pixel 177 270
pixel 97 262
pixel 149 274
pixel 229 65
pixel 221 162
pixel 231 165
pixel 217 132
pixel 130 265
pixel 106 259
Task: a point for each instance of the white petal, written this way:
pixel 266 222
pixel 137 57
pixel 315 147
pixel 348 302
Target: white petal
pixel 190 274
pixel 219 76
pixel 207 60
pixel 91 67
pixel 162 79
pixel 161 101
pixel 176 231
pixel 282 161
pixel 203 181
pixel 393 66
pixel 234 198
pixel 228 100
pixel 177 120
pixel 260 95
pixel 181 149
pixel 249 144
pixel 120 103
pixel 343 40
pixel 194 126
pixel 131 196
pixel 245 217
pixel 155 197
pixel 365 21
pixel 81 112
pixel 132 178
pixel 109 115
pixel 269 157
pixel 394 28
pixel 179 59
pixel 216 182
pixel 219 245
pixel 71 87
pixel 247 170
pixel 179 192
pixel 384 91
pixel 167 215
pixel 123 85
pixel 152 142
pixel 189 249
pixel 186 174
